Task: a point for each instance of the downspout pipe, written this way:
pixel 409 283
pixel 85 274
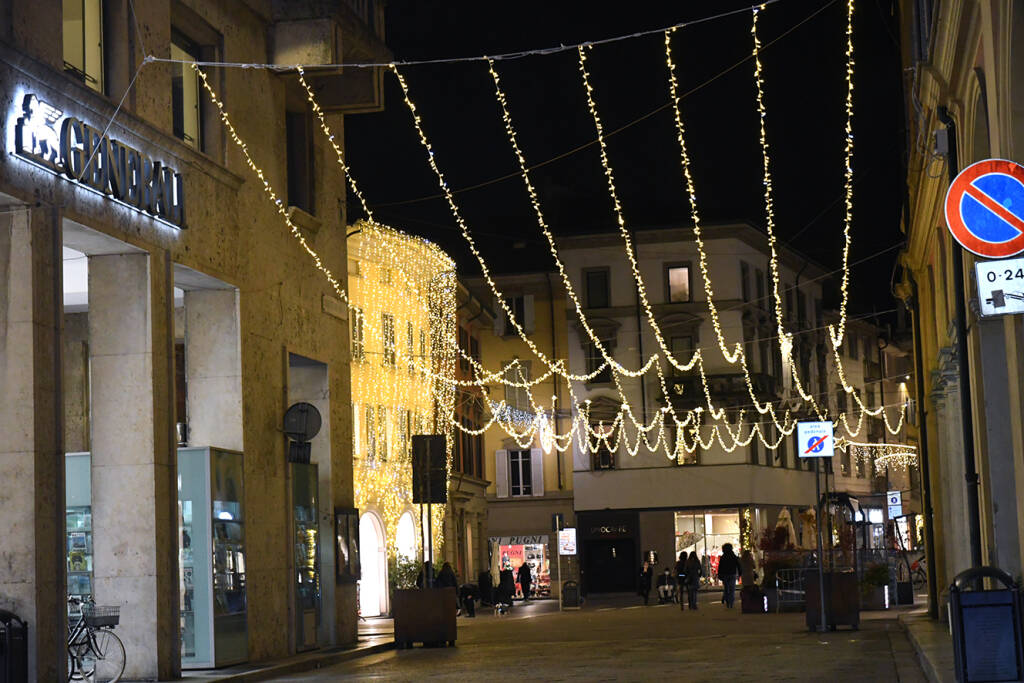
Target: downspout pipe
pixel 926 481
pixel 966 406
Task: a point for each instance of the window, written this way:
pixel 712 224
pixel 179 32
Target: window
pixel 604 457
pixel 83 41
pixel 520 473
pixel 755 453
pixel 371 435
pixel 474 348
pixel 382 427
pixel 387 332
pixel 764 349
pixel 762 300
pixel 789 304
pixel 594 361
pixel 844 462
pixel 598 288
pixel 517 398
pixel 463 349
pixel 682 349
pixel 853 343
pixel 299 158
pixel 745 281
pixel 355 322
pixel 410 347
pixel 185 91
pixel 677 282
pixel 801 308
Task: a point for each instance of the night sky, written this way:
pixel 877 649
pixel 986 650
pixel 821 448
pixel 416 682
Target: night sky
pixel 804 91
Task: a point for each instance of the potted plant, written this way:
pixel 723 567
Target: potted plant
pixel 873 586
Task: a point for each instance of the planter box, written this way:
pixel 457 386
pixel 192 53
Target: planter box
pixel 873 598
pixel 842 599
pixel 424 616
pixel 752 600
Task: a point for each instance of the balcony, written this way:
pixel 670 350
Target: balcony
pixel 727 389
pixel 333 32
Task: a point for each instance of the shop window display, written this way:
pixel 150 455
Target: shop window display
pixel 705 532
pixel 512 556
pixel 78 516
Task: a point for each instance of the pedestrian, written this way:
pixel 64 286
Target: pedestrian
pixel 693 574
pixel 681 578
pixel 728 569
pixel 446 579
pixel 468 594
pixel 525 579
pixel 666 587
pixel 645 581
pixel 425 578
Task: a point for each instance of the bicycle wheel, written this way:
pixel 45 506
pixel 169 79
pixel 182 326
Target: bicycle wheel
pixel 75 654
pixel 104 659
pixel 920 579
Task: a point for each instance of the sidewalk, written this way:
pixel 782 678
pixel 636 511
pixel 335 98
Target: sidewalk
pixel 933 643
pixel 306 661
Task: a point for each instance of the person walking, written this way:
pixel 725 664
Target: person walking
pixel 681 578
pixel 728 569
pixel 646 575
pixel 525 580
pixel 693 574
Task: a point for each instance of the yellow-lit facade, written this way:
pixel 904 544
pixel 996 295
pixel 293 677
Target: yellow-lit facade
pixel 402 331
pixel 516 514
pixel 969 59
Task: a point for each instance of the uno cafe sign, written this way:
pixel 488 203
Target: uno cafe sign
pixel 64 145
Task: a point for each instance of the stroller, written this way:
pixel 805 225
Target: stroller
pixel 504 592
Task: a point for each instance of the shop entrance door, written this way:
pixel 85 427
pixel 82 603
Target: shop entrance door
pixel 610 565
pixel 373 584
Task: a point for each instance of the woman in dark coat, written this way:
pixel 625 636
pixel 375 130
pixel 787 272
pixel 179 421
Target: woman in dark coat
pixel 525 580
pixel 693 574
pixel 646 574
pixel 728 569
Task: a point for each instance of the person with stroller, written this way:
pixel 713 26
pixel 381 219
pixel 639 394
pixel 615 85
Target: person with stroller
pixel 693 574
pixel 666 587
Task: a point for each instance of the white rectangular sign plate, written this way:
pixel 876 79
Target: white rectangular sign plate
pixel 815 439
pixel 1000 286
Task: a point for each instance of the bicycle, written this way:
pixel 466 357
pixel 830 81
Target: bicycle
pixel 918 574
pixel 94 651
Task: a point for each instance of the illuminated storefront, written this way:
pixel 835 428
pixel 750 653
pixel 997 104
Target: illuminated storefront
pixel 512 552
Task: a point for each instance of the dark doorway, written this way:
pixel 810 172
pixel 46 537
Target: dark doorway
pixel 610 565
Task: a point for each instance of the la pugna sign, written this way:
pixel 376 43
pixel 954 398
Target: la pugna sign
pixel 77 151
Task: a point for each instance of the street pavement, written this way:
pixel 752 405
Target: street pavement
pixel 616 639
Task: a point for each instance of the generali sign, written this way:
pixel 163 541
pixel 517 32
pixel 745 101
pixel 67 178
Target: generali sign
pixel 75 150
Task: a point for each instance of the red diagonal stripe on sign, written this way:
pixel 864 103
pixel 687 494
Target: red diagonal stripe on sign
pixel 995 207
pixel 816 444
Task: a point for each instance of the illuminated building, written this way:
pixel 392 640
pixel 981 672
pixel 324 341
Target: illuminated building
pixel 403 290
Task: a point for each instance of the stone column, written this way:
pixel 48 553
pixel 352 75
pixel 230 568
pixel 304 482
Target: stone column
pixel 32 566
pixel 213 368
pixel 133 469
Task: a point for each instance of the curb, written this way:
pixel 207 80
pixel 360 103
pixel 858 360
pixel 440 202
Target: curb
pixel 305 663
pixel 927 665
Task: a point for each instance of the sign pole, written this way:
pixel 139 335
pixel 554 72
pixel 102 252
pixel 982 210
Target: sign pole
pixel 823 622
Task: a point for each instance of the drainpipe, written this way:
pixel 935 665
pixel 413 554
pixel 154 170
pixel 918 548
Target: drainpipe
pixel 926 482
pixel 554 378
pixel 966 407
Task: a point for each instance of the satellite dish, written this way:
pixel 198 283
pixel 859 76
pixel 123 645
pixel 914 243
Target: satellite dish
pixel 302 422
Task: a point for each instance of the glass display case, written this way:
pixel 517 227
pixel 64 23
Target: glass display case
pixel 211 557
pixel 306 539
pixel 78 515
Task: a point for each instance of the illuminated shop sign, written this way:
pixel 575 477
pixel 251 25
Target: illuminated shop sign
pixel 83 154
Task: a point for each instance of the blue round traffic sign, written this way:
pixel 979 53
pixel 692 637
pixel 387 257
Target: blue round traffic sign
pixel 985 208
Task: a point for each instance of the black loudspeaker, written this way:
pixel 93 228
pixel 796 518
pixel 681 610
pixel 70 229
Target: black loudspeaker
pixel 429 471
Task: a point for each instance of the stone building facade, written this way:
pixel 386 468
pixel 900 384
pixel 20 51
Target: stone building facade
pixel 151 297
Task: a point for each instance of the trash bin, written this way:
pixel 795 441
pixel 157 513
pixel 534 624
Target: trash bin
pixel 986 627
pixel 13 648
pixel 570 595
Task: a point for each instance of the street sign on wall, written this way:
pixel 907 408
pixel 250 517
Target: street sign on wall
pixel 815 439
pixel 1000 286
pixel 985 208
pixel 894 500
